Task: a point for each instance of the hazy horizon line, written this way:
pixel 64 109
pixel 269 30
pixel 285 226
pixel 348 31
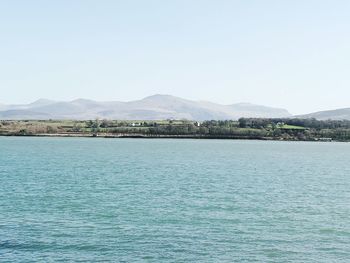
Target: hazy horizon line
pixel 170 95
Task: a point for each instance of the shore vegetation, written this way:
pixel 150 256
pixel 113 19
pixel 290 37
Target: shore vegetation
pixel 244 128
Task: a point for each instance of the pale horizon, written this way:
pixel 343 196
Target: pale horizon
pixel 291 55
pixel 194 100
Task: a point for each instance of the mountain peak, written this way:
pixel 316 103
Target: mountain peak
pixel 160 96
pixel 243 104
pixel 155 107
pixel 338 114
pixel 41 102
pixel 81 100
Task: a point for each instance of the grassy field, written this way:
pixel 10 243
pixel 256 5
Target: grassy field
pixel 24 127
pixel 274 129
pixel 290 127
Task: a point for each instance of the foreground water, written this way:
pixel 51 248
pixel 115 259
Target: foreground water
pixel 135 200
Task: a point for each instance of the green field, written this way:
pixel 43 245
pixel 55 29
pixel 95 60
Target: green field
pixel 290 127
pixel 249 128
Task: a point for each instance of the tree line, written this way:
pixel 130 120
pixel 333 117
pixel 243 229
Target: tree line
pixel 245 128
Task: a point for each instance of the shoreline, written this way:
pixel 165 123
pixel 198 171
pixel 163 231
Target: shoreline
pixel 243 129
pixel 143 136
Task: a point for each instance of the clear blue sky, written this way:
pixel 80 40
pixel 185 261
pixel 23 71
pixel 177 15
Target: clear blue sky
pixel 293 54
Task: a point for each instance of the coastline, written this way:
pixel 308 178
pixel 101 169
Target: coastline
pixel 161 136
pixel 243 129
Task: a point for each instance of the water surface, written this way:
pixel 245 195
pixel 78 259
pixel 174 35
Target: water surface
pixel 160 200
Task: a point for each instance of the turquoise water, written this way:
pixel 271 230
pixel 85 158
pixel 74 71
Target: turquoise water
pixel 136 200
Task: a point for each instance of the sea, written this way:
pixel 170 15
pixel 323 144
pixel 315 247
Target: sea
pixel 173 200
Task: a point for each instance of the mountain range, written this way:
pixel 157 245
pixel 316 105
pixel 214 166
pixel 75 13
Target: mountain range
pixel 339 114
pixel 154 107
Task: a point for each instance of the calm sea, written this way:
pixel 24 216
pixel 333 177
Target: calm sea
pixel 160 200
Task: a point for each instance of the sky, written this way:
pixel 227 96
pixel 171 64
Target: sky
pixel 293 54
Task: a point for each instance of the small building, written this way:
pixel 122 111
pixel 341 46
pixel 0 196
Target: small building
pixel 135 124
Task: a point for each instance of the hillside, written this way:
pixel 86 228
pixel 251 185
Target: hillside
pixel 339 114
pixel 150 108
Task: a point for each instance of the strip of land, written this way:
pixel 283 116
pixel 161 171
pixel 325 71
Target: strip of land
pixel 244 128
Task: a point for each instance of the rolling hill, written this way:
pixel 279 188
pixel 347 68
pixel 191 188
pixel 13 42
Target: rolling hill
pixel 339 114
pixel 150 108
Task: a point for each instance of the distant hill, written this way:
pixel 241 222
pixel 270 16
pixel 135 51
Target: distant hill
pixel 2 107
pixel 150 108
pixel 339 114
